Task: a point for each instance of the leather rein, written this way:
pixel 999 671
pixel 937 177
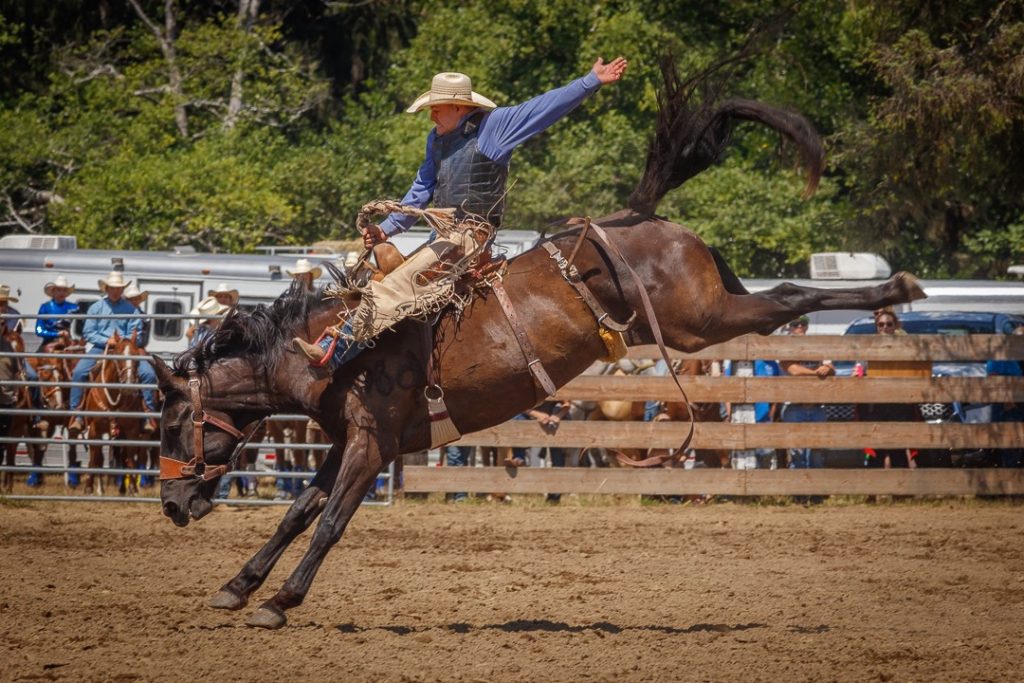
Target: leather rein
pixel 197 468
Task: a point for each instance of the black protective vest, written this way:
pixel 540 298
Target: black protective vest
pixel 466 179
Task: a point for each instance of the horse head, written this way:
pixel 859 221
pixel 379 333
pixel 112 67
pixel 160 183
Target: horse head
pixel 201 437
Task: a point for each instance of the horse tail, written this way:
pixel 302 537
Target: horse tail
pixel 729 279
pixel 692 133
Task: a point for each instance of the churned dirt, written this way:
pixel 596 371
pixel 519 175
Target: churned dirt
pixel 524 592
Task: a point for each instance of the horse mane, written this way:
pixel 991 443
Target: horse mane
pixel 694 128
pixel 262 332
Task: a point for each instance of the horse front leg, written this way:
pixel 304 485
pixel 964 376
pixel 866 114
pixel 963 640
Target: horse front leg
pixel 354 480
pixel 307 507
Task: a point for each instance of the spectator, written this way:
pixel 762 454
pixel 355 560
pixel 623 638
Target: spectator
pixel 550 415
pixel 887 322
pixel 210 310
pixel 10 369
pixel 457 456
pixel 99 332
pixel 218 295
pixel 749 413
pixel 804 458
pixel 1008 411
pixel 34 392
pixel 306 273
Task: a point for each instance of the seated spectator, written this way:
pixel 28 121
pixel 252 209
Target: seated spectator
pixel 50 330
pixel 210 310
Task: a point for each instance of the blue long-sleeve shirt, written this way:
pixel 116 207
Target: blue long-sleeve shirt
pixel 49 328
pixel 501 131
pixel 97 332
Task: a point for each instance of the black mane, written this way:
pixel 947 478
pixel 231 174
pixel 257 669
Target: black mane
pixel 263 332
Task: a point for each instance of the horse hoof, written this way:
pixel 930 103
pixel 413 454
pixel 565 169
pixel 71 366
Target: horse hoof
pixel 226 600
pixel 267 617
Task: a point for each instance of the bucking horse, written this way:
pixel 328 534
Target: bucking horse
pixel 635 265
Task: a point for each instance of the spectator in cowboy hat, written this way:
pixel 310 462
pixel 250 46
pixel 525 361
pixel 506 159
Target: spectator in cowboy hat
pixel 98 332
pixel 30 372
pixel 137 298
pixel 7 309
pixel 53 329
pixel 306 273
pixel 219 294
pixel 208 308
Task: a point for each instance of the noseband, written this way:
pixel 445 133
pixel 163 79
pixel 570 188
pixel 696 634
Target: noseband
pixel 196 468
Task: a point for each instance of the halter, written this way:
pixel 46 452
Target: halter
pixel 196 468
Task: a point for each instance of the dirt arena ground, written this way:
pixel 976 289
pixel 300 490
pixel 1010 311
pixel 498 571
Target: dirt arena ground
pixel 524 592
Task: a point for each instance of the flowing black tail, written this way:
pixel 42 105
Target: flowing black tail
pixel 691 135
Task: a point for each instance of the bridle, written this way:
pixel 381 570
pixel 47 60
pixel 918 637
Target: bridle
pixel 196 468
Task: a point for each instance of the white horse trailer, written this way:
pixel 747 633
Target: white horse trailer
pixel 176 280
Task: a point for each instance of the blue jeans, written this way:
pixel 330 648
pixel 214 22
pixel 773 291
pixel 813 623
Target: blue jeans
pixel 81 374
pixel 804 458
pixel 457 456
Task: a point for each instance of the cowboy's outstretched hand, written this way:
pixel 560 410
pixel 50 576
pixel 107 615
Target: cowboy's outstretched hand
pixel 610 72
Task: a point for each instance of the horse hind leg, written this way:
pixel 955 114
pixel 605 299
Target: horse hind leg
pixel 303 512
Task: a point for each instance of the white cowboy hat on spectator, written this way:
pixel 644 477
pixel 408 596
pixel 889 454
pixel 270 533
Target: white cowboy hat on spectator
pixel 209 307
pixel 450 88
pixel 222 288
pixel 115 279
pixel 61 282
pixel 303 266
pixel 5 294
pixel 131 291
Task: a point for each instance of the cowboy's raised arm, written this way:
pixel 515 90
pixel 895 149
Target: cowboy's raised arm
pixel 506 128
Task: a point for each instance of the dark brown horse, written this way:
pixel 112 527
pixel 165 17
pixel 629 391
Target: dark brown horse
pixel 374 409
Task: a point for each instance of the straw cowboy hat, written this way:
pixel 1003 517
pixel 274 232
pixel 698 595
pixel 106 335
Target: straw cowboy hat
pixel 115 279
pixel 5 294
pixel 450 88
pixel 222 288
pixel 131 291
pixel 61 282
pixel 209 307
pixel 303 266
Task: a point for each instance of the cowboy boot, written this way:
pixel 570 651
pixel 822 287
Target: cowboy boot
pixel 313 352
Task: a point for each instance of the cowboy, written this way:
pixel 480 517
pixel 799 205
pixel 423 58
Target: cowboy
pixel 7 309
pixel 219 294
pixel 210 308
pixel 34 392
pixel 466 169
pixel 306 273
pixel 137 297
pixel 50 330
pixel 99 332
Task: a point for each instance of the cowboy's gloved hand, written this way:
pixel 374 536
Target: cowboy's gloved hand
pixel 610 72
pixel 373 235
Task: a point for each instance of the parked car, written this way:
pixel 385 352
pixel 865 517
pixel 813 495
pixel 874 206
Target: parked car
pixel 948 323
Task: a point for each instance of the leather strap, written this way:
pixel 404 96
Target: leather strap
pixel 532 359
pixel 572 276
pixel 652 321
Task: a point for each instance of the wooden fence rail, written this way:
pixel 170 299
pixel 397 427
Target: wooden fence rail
pixel 921 482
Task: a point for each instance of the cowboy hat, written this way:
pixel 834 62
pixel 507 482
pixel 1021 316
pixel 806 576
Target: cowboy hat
pixel 115 279
pixel 222 288
pixel 61 282
pixel 131 292
pixel 450 88
pixel 303 266
pixel 5 294
pixel 209 307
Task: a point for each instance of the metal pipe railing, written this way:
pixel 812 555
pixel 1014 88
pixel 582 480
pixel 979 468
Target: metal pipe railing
pixel 54 412
pixel 261 446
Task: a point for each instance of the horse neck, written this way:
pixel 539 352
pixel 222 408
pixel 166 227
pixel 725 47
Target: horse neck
pixel 235 384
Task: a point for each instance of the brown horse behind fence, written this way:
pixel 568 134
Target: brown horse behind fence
pixel 374 409
pixel 20 425
pixel 113 401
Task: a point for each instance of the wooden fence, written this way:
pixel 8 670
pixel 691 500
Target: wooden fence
pixel 830 435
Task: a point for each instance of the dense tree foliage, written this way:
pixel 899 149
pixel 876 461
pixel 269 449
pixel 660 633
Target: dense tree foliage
pixel 230 123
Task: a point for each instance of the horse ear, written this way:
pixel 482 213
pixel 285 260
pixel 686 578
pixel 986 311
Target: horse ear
pixel 165 377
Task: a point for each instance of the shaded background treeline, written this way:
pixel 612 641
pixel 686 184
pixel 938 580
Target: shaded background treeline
pixel 231 123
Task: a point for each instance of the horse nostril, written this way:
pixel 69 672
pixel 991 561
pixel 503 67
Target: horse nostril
pixel 170 509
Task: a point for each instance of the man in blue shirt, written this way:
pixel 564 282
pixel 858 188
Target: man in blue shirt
pixel 50 330
pixel 466 169
pixel 98 332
